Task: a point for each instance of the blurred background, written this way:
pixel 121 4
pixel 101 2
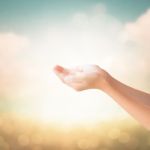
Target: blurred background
pixel 37 111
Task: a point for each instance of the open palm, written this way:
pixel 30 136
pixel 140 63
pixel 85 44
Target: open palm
pixel 81 77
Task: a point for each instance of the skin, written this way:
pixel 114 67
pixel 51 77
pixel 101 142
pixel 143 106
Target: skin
pixel 135 102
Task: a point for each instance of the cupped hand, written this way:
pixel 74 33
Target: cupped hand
pixel 82 77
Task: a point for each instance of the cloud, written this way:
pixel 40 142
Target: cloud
pixel 11 46
pixel 139 31
pixel 92 35
pixel 136 37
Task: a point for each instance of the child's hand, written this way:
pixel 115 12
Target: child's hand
pixel 82 77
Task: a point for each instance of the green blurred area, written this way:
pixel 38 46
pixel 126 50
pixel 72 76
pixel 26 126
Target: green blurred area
pixel 18 133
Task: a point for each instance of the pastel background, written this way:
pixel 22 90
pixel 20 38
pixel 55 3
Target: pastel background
pixel 37 111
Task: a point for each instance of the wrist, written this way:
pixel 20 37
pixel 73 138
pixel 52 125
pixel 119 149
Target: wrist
pixel 105 81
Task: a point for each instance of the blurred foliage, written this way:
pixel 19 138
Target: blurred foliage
pixel 18 133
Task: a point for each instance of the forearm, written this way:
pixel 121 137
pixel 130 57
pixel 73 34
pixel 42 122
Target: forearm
pixel 133 101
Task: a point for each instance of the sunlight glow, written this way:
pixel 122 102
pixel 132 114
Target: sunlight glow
pixel 53 101
pixel 84 39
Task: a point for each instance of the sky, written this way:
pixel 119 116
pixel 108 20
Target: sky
pixel 22 15
pixel 36 35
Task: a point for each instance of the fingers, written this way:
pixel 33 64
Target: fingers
pixel 60 71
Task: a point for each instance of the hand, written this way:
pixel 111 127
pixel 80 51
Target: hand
pixel 82 77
